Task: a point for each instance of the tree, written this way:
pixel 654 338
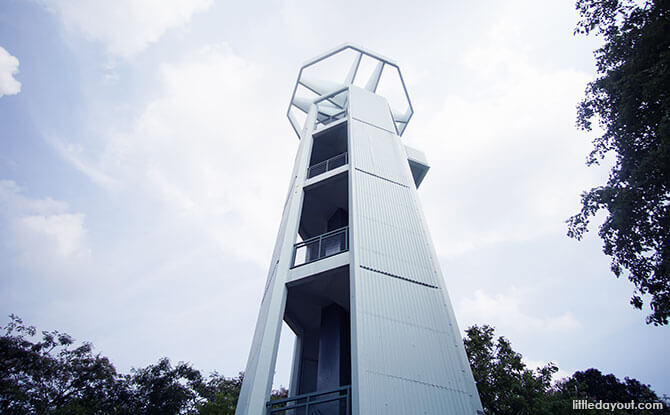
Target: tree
pixel 161 389
pixel 222 395
pixel 505 385
pixel 629 101
pixel 52 376
pixel 593 386
pixel 48 374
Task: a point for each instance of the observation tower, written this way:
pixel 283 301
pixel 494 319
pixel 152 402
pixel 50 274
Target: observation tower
pixel 354 273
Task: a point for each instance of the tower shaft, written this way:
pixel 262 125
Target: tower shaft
pixel 361 288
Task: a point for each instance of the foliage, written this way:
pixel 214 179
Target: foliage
pixel 48 374
pixel 222 396
pixel 222 399
pixel 162 389
pixel 53 376
pixel 507 387
pixel 504 383
pixel 280 393
pixel 592 385
pixel 629 100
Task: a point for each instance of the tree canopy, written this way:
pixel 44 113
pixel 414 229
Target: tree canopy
pixel 629 102
pixel 47 373
pixel 504 383
pixel 52 376
pixel 507 387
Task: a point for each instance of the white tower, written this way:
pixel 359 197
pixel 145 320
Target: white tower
pixel 354 273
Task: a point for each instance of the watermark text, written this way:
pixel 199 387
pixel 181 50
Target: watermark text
pixel 612 406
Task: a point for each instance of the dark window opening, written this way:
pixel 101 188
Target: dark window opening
pixel 329 150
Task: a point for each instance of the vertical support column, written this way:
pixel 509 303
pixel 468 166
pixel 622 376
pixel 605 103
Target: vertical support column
pixel 333 358
pixel 257 384
pixel 352 236
pixel 309 361
pixel 294 384
pixel 333 345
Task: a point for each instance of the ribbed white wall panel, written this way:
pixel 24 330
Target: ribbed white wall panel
pixel 389 232
pixel 409 356
pixel 378 152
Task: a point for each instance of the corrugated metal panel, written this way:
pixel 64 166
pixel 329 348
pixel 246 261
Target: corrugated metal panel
pixel 370 108
pixel 390 236
pixel 377 152
pixel 390 232
pixel 404 336
pixel 409 354
pixel 395 396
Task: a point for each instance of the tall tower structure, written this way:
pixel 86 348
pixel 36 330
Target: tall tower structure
pixel 354 273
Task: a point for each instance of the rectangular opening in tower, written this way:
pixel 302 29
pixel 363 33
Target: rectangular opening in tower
pixel 324 220
pixel 317 310
pixel 329 150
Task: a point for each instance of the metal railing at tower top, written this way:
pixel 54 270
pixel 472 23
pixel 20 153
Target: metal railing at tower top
pixel 331 107
pixel 327 165
pixel 339 400
pixel 322 246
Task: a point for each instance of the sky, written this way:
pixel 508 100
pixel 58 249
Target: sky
pixel 145 156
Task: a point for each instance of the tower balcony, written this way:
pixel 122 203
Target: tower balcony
pixel 328 165
pixel 329 149
pixel 321 246
pixel 335 401
pixel 323 230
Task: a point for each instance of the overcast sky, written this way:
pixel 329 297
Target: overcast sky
pixel 145 157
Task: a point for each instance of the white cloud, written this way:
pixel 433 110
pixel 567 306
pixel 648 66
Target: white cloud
pixel 511 160
pixel 44 231
pixel 65 231
pixel 75 155
pixel 126 27
pixel 13 203
pixel 203 149
pixel 9 65
pixel 506 312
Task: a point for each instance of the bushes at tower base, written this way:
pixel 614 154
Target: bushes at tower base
pixel 508 387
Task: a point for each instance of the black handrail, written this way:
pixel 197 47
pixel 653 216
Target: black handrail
pixel 327 165
pixel 318 240
pixel 311 400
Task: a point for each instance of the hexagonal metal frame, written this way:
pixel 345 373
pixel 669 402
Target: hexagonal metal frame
pixel 400 120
